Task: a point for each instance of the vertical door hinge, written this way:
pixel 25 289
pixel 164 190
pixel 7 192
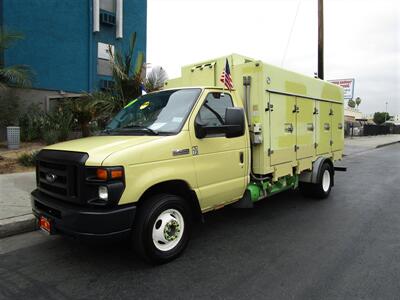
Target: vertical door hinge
pixel 315 145
pixel 315 111
pixel 331 142
pixel 270 107
pixel 296 148
pixel 270 152
pixel 331 112
pixel 296 109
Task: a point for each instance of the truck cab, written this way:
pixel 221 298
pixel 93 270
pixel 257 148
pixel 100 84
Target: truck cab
pixel 187 143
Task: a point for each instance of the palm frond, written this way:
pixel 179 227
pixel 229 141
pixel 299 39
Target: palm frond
pixel 155 79
pixel 7 38
pixel 19 75
pixel 139 63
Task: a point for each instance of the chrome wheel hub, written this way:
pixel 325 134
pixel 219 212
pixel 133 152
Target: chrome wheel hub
pixel 168 229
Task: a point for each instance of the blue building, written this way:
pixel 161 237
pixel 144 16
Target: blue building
pixel 66 41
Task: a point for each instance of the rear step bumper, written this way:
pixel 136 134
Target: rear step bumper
pixel 340 169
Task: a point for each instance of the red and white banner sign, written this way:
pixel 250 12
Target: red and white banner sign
pixel 347 85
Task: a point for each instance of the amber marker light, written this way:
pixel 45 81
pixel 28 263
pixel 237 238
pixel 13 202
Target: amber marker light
pixel 101 174
pixel 119 173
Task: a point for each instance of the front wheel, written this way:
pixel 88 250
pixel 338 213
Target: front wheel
pixel 162 227
pixel 322 188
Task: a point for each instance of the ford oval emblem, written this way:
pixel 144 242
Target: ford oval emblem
pixel 50 177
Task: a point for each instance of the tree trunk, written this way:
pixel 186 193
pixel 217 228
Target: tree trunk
pixel 85 129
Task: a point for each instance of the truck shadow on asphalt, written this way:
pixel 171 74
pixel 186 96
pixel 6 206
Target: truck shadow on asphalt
pixel 222 229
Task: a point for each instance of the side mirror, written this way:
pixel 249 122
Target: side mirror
pixel 200 128
pixel 234 122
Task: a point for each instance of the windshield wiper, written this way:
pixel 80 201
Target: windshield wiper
pixel 107 130
pixel 148 129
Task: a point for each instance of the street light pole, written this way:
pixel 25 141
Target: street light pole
pixel 386 111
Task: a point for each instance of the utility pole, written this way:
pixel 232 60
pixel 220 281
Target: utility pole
pixel 321 39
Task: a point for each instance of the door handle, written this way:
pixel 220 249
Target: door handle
pixel 241 157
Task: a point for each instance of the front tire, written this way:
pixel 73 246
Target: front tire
pixel 162 228
pixel 322 188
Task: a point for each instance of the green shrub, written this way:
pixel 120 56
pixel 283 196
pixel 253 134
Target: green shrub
pixel 51 136
pixel 51 127
pixel 9 107
pixel 32 123
pixel 28 159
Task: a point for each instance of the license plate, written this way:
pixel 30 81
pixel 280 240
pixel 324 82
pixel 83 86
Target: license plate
pixel 45 224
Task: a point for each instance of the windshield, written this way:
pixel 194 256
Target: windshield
pixel 156 113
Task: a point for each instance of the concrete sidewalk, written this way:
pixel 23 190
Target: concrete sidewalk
pixel 15 207
pixel 355 145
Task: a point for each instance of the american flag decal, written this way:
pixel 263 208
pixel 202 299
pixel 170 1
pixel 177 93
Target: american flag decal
pixel 226 77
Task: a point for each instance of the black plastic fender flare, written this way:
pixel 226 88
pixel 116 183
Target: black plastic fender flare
pixel 314 175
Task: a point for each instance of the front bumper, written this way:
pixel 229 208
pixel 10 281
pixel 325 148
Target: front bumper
pixel 79 221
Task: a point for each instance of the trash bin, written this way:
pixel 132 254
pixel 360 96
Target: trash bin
pixel 13 136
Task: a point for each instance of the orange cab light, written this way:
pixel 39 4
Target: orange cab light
pixel 101 174
pixel 116 174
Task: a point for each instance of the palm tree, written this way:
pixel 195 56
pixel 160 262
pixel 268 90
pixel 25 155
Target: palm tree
pixel 128 72
pixel 17 75
pixel 83 110
pixel 358 101
pixel 155 79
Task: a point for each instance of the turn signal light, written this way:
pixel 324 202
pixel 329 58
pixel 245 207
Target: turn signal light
pixel 116 174
pixel 102 174
pixel 112 173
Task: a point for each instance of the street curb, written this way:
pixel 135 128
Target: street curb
pixel 17 225
pixel 387 144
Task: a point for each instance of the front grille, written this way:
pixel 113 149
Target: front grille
pixel 58 174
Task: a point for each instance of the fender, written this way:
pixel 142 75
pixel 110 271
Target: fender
pixel 313 176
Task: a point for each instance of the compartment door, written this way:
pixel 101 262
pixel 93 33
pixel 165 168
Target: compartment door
pixel 323 126
pixel 305 128
pixel 282 126
pixel 337 127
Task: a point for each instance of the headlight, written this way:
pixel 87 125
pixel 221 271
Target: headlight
pixel 103 193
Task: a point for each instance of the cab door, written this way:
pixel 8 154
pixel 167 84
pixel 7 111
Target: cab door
pixel 220 162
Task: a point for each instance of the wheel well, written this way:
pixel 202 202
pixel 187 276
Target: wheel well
pixel 179 188
pixel 313 176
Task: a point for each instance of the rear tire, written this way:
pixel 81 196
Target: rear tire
pixel 162 228
pixel 322 188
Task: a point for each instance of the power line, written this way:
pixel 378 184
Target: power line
pixel 290 34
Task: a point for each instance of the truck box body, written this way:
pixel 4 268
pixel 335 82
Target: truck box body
pixel 293 118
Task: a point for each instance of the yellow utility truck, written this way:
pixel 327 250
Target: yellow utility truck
pixel 195 146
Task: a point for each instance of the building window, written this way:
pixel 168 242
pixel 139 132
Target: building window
pixel 107 5
pixel 104 66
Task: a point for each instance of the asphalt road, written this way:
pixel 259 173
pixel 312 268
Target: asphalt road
pixel 287 247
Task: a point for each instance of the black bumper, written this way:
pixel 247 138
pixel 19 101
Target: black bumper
pixel 82 221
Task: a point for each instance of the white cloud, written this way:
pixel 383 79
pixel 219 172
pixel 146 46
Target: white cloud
pixel 362 39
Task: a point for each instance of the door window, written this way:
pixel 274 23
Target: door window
pixel 212 112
